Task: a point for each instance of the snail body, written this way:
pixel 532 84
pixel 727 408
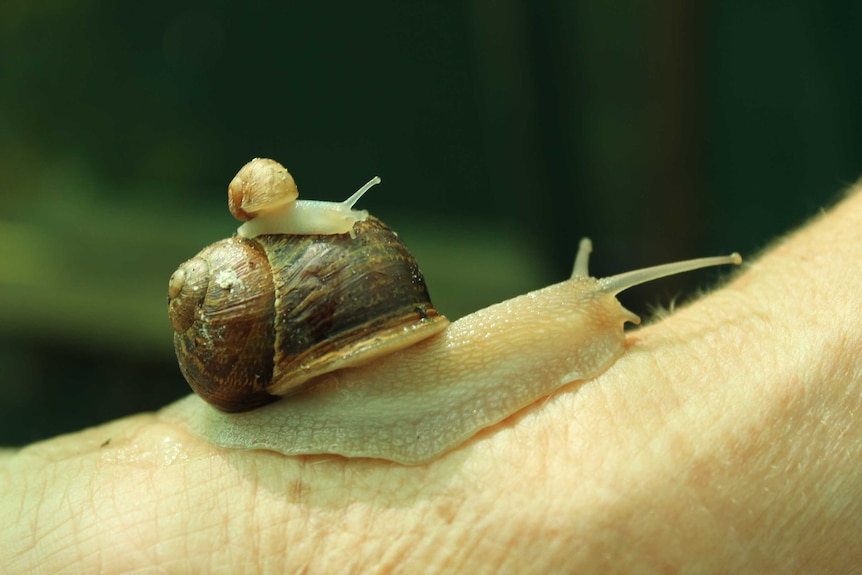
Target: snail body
pixel 412 403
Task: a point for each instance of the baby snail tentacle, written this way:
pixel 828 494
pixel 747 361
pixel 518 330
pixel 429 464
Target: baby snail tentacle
pixel 317 287
pixel 412 404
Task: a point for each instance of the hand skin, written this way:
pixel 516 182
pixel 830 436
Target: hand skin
pixel 726 440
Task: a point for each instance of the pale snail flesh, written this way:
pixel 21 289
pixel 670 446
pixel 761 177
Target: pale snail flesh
pixel 417 403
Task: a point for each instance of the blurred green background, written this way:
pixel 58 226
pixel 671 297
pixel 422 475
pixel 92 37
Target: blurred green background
pixel 503 131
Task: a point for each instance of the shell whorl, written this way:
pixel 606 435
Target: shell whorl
pixel 225 352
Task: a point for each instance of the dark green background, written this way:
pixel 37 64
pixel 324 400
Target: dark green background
pixel 503 132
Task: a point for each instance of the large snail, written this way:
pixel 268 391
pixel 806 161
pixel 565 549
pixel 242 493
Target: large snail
pixel 323 304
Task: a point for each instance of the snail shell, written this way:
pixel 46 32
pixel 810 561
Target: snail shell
pixel 260 187
pixel 257 318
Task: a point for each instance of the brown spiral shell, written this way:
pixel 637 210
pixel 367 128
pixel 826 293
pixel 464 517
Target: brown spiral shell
pixel 258 318
pixel 261 185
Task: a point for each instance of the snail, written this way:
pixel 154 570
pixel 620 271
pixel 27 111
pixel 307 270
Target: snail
pixel 398 381
pixel 304 288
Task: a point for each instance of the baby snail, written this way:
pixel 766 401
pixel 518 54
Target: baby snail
pixel 324 305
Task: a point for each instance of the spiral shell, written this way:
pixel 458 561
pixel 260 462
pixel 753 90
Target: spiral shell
pixel 259 318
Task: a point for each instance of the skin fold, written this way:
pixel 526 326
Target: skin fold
pixel 727 439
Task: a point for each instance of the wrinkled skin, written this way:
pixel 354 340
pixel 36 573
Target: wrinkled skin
pixel 726 439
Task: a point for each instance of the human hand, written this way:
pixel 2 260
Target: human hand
pixel 726 439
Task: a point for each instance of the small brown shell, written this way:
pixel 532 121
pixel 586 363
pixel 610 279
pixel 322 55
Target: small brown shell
pixel 260 186
pixel 279 310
